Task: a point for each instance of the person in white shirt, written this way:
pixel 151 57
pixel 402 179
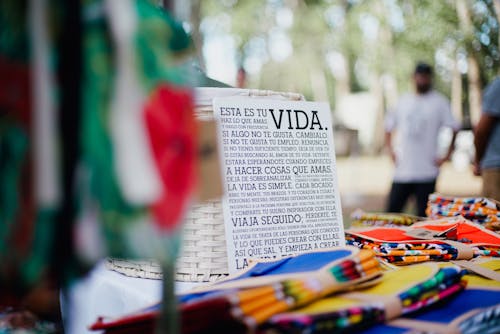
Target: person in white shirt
pixel 417 119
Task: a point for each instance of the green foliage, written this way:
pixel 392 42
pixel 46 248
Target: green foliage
pixel 376 37
pixel 485 42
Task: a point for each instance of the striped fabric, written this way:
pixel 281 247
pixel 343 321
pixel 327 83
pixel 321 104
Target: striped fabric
pixel 481 210
pixel 441 240
pixel 403 291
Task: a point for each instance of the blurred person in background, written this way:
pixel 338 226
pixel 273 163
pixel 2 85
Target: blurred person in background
pixel 487 141
pixel 417 119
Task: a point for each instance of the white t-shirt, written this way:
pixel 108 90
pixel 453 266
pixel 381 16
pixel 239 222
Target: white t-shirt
pixel 417 120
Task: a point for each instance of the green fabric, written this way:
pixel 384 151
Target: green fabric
pixel 13 29
pixel 22 266
pixel 159 42
pixel 39 257
pixel 13 155
pixel 97 150
pixel 27 265
pixel 13 151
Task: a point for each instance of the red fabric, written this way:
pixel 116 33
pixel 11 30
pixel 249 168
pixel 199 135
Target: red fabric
pixel 171 125
pixel 15 99
pixel 16 109
pixel 15 94
pixel 465 232
pixel 146 319
pixel 387 234
pixel 475 234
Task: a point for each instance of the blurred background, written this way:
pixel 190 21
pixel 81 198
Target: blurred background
pixel 359 56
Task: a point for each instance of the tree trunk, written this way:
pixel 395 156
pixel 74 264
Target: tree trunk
pixel 456 93
pixel 473 74
pixel 377 90
pixel 475 98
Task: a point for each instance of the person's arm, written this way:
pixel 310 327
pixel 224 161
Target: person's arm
pixel 451 122
pixel 482 133
pixel 451 148
pixel 388 145
pixel 390 126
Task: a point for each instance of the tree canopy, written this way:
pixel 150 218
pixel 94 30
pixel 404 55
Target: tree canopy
pixel 327 48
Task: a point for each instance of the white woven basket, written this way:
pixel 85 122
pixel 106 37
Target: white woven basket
pixel 203 256
pixel 141 269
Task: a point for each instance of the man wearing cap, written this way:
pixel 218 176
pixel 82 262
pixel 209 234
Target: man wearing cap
pixel 417 119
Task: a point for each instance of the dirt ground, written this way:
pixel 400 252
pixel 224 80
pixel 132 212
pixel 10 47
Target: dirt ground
pixel 364 183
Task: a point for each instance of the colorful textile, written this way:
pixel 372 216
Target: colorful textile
pixel 481 210
pixel 474 310
pixel 138 132
pixel 171 127
pixel 268 288
pixel 97 136
pixel 400 292
pixel 241 303
pixel 359 218
pixel 442 240
pixel 27 215
pixel 138 161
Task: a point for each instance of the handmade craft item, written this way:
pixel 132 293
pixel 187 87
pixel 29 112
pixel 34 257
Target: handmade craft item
pixel 481 210
pixel 440 240
pixel 400 292
pixel 243 302
pixel 474 310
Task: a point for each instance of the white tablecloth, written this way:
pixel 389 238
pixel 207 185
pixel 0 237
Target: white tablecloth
pixel 107 293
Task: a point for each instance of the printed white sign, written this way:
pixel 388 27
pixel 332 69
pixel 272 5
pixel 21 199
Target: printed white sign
pixel 280 178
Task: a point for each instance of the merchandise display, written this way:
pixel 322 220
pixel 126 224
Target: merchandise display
pixel 241 303
pixel 441 296
pixel 481 210
pixel 441 240
pixel 400 292
pixel 474 310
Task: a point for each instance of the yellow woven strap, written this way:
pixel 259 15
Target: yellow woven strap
pixel 465 252
pixel 392 304
pixel 482 271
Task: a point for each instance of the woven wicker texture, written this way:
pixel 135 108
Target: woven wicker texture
pixel 203 255
pixel 141 269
